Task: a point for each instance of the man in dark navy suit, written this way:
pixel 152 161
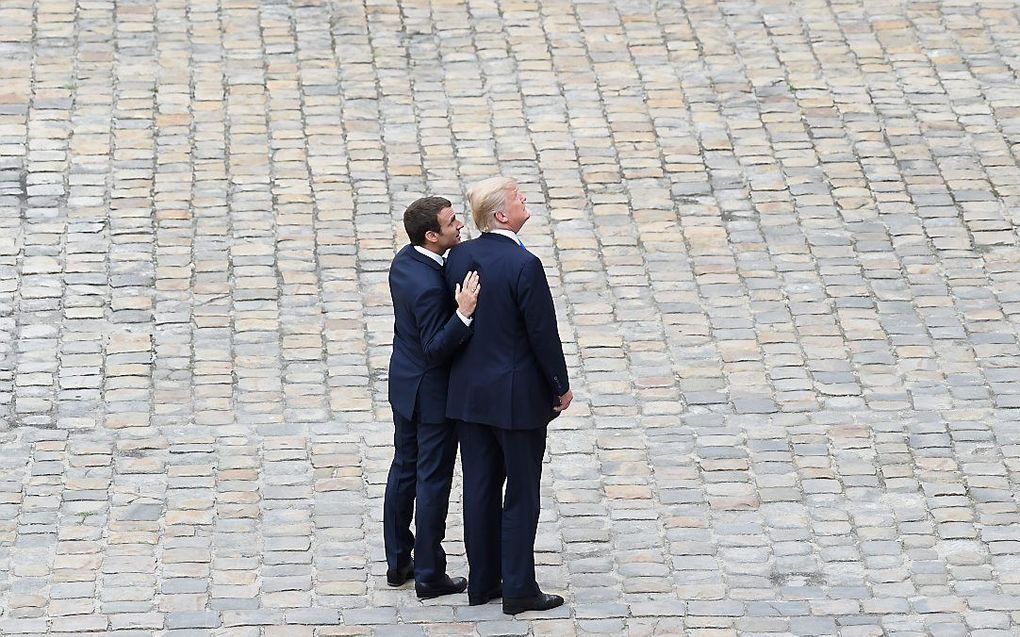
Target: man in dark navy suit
pixel 428 328
pixel 506 385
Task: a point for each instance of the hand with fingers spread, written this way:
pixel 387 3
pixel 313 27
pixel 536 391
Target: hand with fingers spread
pixel 467 294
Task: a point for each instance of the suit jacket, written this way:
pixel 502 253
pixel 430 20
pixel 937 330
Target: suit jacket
pixel 512 371
pixel 426 332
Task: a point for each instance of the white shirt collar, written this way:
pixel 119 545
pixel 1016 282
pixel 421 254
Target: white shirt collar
pixel 510 234
pixel 430 254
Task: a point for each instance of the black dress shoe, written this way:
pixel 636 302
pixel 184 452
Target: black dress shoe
pixel 477 599
pixel 445 586
pixel 397 576
pixel 542 601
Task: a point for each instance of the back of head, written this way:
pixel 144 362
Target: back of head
pixel 486 198
pixel 423 215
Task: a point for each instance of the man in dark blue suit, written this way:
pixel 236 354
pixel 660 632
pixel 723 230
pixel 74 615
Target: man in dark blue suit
pixel 506 385
pixel 428 328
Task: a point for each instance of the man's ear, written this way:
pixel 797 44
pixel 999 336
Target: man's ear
pixel 431 235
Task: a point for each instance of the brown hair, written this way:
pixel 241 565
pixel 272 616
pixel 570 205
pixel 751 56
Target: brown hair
pixel 422 216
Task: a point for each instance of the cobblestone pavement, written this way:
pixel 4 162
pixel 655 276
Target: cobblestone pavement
pixel 781 236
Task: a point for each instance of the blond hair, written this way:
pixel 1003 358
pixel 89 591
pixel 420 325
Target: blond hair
pixel 488 197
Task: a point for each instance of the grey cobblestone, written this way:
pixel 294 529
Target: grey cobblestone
pixel 782 243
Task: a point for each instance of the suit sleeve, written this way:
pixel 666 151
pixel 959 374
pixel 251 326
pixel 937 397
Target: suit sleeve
pixel 539 314
pixel 440 331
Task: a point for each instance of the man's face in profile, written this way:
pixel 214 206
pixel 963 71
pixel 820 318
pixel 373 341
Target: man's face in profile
pixel 449 229
pixel 516 212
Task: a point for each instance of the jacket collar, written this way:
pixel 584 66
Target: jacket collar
pixel 437 258
pixel 509 234
pixel 499 236
pixel 418 256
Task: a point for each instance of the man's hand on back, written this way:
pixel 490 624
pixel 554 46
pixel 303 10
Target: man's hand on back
pixel 467 294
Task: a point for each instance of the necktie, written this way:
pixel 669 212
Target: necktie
pixel 521 243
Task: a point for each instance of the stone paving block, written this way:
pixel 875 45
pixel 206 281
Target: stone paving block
pixel 502 628
pixel 193 619
pixel 312 616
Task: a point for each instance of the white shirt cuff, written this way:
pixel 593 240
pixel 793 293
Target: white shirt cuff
pixel 467 321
